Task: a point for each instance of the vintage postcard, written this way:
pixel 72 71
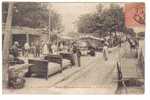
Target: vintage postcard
pixel 73 48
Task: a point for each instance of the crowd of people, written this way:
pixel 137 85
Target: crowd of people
pixel 41 48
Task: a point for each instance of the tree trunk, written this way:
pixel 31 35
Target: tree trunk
pixel 6 45
pixel 110 36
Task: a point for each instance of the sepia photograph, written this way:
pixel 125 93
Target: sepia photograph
pixel 73 48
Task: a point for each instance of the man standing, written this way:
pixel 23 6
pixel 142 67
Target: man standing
pixel 76 54
pixel 33 49
pixel 14 49
pixel 37 49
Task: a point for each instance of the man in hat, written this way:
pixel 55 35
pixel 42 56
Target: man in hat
pixel 14 49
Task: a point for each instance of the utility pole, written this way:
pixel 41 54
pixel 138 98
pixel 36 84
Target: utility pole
pixel 49 26
pixel 49 7
pixel 6 45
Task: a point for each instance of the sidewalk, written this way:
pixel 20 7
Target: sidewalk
pixel 131 71
pixel 33 85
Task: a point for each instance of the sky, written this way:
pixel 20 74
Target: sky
pixel 70 13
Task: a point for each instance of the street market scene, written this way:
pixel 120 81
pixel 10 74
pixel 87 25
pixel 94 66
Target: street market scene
pixel 73 48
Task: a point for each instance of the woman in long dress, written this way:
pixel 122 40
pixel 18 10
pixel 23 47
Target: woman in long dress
pixel 105 51
pixel 45 49
pixel 27 49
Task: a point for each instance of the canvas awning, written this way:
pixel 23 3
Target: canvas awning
pixel 65 37
pixel 92 37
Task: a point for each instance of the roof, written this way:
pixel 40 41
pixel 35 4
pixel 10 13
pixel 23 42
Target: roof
pixel 64 37
pixel 24 30
pixel 92 37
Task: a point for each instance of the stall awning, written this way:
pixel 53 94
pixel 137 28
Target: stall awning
pixel 65 37
pixel 91 37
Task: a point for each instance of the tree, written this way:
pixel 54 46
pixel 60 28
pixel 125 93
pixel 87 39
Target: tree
pixel 118 17
pixel 99 8
pixel 85 23
pixel 55 22
pixel 114 19
pixel 104 21
pixel 7 44
pixel 34 15
pixel 28 14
